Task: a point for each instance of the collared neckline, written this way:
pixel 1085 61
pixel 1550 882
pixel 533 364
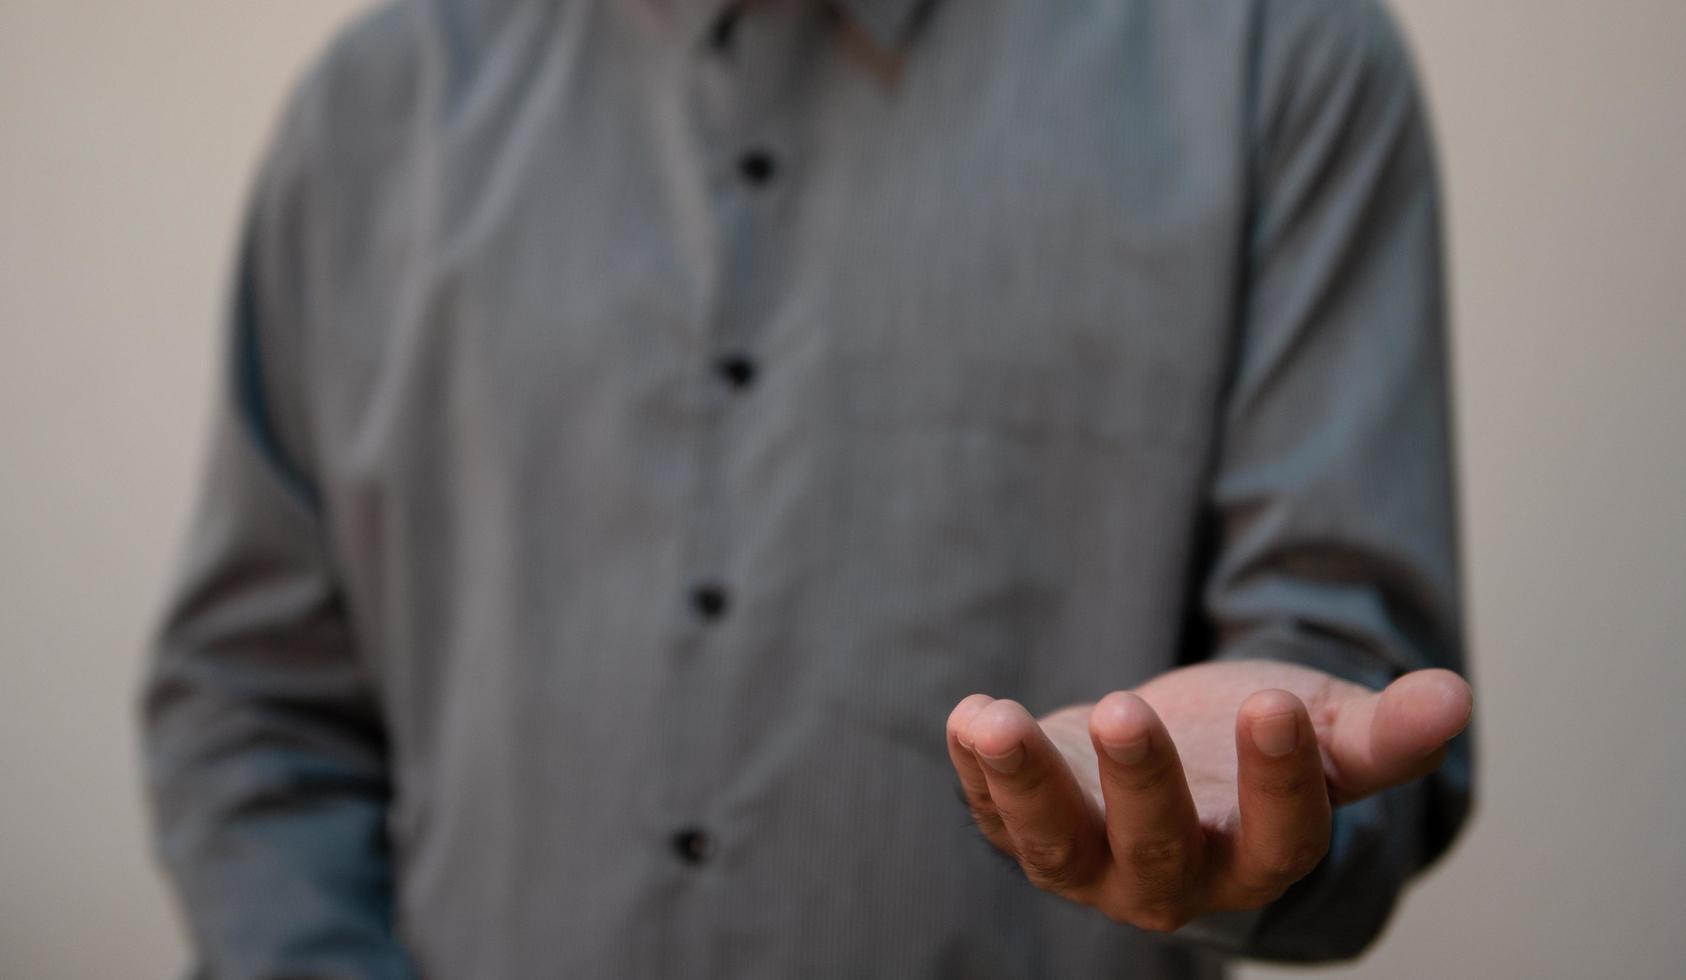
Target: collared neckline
pixel 889 24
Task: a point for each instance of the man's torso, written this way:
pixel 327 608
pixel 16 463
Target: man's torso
pixel 977 296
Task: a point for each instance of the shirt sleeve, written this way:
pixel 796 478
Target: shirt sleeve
pixel 1332 497
pixel 263 742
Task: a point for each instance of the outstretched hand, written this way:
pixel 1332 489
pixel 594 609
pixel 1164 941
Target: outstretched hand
pixel 1207 789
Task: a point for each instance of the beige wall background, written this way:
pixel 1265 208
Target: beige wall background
pixel 128 131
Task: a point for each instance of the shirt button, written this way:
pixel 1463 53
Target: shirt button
pixel 693 845
pixel 757 167
pixel 737 370
pixel 709 601
pixel 724 30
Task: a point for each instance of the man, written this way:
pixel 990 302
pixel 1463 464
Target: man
pixel 651 419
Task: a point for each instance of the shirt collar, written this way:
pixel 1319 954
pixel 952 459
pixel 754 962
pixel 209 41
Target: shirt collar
pixel 889 23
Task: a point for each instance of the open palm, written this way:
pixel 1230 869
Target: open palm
pixel 1208 788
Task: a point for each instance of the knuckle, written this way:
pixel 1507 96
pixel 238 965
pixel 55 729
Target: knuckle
pixel 1301 858
pixel 1274 869
pixel 989 822
pixel 1157 863
pixel 1147 781
pixel 1031 779
pixel 1295 784
pixel 994 833
pixel 1053 864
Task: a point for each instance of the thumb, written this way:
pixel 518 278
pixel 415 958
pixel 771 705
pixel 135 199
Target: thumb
pixel 1399 734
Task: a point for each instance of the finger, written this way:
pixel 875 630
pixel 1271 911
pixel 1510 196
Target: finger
pixel 1397 735
pixel 1284 798
pixel 972 782
pixel 1151 823
pixel 1055 832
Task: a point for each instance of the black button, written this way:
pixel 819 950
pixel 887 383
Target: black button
pixel 725 29
pixel 693 845
pixel 737 370
pixel 709 601
pixel 757 167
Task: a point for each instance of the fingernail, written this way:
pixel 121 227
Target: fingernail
pixel 1005 764
pixel 1133 752
pixel 963 726
pixel 1277 735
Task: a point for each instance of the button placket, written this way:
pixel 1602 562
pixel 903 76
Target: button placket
pixel 749 175
pixel 721 102
pixel 749 166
